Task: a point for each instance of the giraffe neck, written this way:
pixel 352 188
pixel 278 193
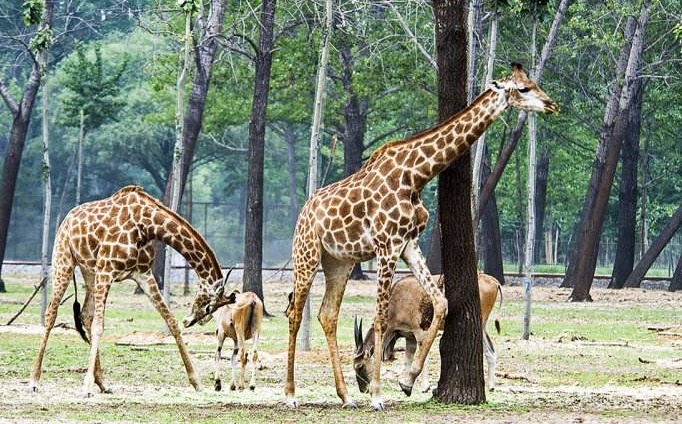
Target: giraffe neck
pixel 428 153
pixel 172 229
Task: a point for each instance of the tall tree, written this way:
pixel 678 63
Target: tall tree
pixel 461 347
pixel 583 261
pixel 253 231
pixel 38 14
pixel 627 194
pixel 90 97
pixel 355 121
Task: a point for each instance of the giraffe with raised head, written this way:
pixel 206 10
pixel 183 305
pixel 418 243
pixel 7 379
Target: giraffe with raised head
pixel 111 240
pixel 377 213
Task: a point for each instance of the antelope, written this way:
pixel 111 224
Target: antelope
pixel 240 321
pixel 409 315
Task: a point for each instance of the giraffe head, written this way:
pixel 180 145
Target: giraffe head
pixel 208 299
pixel 522 93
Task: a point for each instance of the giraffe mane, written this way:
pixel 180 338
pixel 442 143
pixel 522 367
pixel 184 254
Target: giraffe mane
pixel 195 234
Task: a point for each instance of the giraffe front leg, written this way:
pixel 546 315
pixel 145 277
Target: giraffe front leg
pixel 157 300
pixel 413 256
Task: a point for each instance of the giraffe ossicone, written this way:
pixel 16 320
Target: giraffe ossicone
pixel 377 212
pixel 110 240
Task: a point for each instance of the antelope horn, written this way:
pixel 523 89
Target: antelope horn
pixel 358 335
pixel 229 271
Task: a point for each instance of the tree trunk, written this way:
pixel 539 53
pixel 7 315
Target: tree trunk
pixel 206 48
pixel 541 204
pixel 21 116
pixel 253 231
pixel 514 136
pixel 583 262
pixel 355 124
pixel 47 193
pixel 290 137
pixel 676 282
pixel 635 278
pixel 461 347
pixel 627 195
pixel 490 231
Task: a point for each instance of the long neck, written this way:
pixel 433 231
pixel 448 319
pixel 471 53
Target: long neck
pixel 173 230
pixel 430 152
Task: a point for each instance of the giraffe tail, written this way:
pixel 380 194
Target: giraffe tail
pixel 77 318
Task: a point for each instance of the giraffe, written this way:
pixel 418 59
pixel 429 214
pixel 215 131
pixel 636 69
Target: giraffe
pixel 111 240
pixel 377 213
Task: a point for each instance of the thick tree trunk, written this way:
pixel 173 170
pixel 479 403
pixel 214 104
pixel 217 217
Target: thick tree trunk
pixel 21 116
pixel 627 195
pixel 490 231
pixel 461 347
pixel 253 232
pixel 580 273
pixel 355 124
pixel 635 278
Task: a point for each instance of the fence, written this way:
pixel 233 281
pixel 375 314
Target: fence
pixel 222 224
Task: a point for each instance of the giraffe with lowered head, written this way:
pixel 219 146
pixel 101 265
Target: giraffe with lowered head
pixel 377 213
pixel 111 240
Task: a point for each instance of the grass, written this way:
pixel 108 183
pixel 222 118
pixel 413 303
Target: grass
pixel 596 362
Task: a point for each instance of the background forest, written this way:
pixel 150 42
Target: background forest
pixel 113 70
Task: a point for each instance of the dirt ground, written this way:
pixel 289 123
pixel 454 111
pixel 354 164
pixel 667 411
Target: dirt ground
pixel 519 396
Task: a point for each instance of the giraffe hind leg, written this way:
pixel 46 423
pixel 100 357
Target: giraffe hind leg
pixel 302 280
pixel 336 277
pixel 61 277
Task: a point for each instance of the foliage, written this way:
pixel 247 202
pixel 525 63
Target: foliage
pixel 33 11
pixel 122 67
pixel 90 87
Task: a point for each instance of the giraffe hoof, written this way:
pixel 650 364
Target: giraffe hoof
pixel 350 405
pixel 217 386
pixel 377 406
pixel 292 404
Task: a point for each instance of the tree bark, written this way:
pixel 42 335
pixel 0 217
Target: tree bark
pixel 355 124
pixel 627 195
pixel 541 203
pixel 490 230
pixel 21 116
pixel 637 275
pixel 253 231
pixel 461 347
pixel 583 262
pixel 676 282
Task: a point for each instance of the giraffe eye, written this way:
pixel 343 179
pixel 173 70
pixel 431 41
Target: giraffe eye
pixel 524 90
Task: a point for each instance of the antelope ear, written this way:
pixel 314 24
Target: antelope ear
pixel 219 289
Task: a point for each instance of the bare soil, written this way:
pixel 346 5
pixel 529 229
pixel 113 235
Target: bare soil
pixel 520 396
